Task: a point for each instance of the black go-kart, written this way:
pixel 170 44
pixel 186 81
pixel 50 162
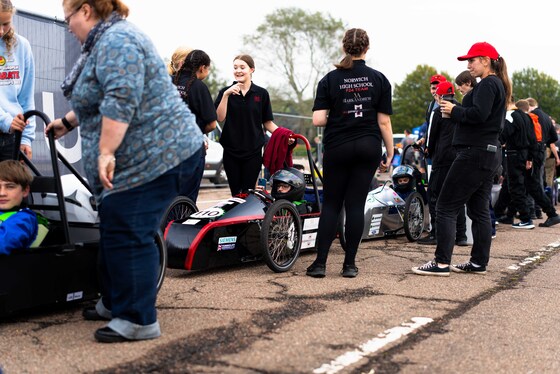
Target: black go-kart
pixel 63 269
pixel 247 227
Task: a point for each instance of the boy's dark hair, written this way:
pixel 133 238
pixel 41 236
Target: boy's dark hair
pixel 465 77
pixel 15 172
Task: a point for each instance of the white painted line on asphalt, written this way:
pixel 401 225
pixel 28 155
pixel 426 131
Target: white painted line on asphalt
pixel 538 255
pixel 373 345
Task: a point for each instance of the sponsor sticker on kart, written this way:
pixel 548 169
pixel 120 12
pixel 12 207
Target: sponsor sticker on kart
pixel 375 224
pixel 311 224
pixel 226 243
pixel 308 240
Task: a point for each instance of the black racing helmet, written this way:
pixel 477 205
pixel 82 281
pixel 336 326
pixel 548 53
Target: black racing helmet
pixel 403 171
pixel 292 177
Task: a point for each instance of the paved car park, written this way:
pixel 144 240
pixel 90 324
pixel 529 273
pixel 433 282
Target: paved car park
pixel 248 319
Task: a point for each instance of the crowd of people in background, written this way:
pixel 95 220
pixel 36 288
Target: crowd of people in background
pixel 142 126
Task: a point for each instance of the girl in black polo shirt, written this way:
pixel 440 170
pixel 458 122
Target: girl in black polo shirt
pixel 194 69
pixel 245 108
pixel 353 103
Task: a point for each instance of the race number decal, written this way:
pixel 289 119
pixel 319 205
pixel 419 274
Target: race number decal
pixel 375 224
pixel 209 213
pixel 227 243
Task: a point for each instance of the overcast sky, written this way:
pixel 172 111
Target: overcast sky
pixel 403 33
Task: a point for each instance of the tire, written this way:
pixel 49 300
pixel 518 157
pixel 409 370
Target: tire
pixel 162 266
pixel 281 235
pixel 413 217
pixel 341 228
pixel 181 207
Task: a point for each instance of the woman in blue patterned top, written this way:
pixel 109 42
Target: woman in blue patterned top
pixel 138 138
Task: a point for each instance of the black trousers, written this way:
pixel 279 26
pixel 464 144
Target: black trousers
pixel 435 184
pixel 469 181
pixel 516 161
pixel 242 173
pixel 534 185
pixel 347 172
pixel 6 146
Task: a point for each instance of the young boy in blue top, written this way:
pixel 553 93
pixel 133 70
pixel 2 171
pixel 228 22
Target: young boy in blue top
pixel 18 226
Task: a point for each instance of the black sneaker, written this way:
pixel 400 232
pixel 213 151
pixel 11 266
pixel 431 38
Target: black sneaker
pixel 461 242
pixel 550 221
pixel 527 225
pixel 468 267
pixel 427 240
pixel 431 268
pixel 506 220
pixel 349 271
pixel 316 270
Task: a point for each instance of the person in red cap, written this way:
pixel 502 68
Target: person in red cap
pixel 469 180
pixel 424 140
pixel 441 151
pixel 434 81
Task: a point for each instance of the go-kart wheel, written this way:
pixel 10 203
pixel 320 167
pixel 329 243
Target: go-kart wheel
pixel 281 234
pixel 413 216
pixel 162 266
pixel 341 228
pixel 181 207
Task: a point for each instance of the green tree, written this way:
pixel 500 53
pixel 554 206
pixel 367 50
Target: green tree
pixel 214 83
pixel 299 47
pixel 412 96
pixel 530 82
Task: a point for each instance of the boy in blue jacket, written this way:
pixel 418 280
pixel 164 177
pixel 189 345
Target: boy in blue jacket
pixel 18 226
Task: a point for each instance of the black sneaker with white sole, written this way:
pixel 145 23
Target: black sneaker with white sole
pixel 431 268
pixel 527 225
pixel 468 267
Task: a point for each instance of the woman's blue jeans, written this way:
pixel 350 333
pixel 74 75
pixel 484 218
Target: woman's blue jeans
pixel 129 257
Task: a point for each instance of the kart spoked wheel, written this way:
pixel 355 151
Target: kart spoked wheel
pixel 162 265
pixel 413 216
pixel 281 235
pixel 180 208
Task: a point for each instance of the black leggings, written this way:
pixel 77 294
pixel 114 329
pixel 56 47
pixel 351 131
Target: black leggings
pixel 242 174
pixel 348 170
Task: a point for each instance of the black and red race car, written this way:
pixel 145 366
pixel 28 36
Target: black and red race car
pixel 247 227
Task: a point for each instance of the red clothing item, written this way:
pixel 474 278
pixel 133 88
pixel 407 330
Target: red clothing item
pixel 278 151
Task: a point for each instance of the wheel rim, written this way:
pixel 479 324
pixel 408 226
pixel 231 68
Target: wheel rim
pixel 415 218
pixel 283 237
pixel 178 212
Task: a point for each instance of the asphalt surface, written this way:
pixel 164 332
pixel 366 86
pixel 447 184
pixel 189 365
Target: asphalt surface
pixel 248 319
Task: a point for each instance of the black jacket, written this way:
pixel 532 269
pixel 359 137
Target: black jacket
pixel 440 148
pixel 518 133
pixel 480 121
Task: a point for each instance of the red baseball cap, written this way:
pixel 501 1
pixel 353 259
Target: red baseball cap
pixel 481 49
pixel 445 88
pixel 437 78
